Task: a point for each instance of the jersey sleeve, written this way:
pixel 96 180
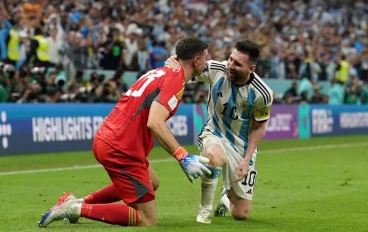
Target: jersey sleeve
pixel 263 103
pixel 211 66
pixel 171 92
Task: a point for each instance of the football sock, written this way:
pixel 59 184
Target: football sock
pixel 208 187
pixel 109 194
pixel 115 214
pixel 226 201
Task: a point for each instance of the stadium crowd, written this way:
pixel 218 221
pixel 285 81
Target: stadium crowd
pixel 45 45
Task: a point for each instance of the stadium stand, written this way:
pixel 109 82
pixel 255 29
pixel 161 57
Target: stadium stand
pixel 92 51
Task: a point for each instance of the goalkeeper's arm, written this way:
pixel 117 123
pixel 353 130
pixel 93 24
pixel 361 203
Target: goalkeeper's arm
pixel 156 124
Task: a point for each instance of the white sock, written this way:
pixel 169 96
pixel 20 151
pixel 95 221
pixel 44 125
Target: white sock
pixel 226 201
pixel 78 208
pixel 81 200
pixel 208 187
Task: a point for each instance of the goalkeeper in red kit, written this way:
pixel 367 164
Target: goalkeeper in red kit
pixel 125 139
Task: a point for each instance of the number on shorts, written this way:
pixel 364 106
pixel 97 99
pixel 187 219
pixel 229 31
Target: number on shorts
pixel 149 77
pixel 250 179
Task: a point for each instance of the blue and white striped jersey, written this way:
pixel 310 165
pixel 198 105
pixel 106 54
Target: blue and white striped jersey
pixel 231 108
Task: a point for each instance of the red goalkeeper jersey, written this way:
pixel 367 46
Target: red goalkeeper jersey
pixel 125 128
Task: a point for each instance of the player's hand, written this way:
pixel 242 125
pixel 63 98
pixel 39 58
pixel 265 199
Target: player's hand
pixel 192 165
pixel 172 63
pixel 241 171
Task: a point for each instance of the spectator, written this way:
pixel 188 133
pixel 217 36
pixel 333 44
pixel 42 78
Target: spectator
pixel 112 51
pixel 143 57
pixel 292 92
pixel 353 92
pixel 107 35
pixel 117 79
pixel 317 97
pixel 131 44
pixel 53 22
pixel 342 70
pixel 12 42
pixel 55 45
pixel 292 66
pixel 335 93
pixel 77 50
pixel 305 85
pixel 309 68
pixel 288 99
pixel 39 50
pixel 362 67
pixel 107 93
pixel 364 96
pixel 159 54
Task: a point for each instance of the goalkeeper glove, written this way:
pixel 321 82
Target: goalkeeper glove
pixel 192 165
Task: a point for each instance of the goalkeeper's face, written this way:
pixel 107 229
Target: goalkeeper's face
pixel 239 68
pixel 199 62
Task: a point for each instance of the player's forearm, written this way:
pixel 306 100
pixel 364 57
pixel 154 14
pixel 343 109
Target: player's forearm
pixel 164 136
pixel 255 137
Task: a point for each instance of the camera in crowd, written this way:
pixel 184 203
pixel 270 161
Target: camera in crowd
pixel 8 69
pixel 38 72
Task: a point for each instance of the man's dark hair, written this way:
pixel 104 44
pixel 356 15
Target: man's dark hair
pixel 250 48
pixel 38 31
pixel 190 47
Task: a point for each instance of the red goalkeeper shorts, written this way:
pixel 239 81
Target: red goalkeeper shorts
pixel 130 176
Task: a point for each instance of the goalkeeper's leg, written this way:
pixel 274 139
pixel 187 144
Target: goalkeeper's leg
pixel 217 158
pixel 110 194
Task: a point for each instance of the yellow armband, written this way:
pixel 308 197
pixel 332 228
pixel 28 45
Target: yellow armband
pixel 262 114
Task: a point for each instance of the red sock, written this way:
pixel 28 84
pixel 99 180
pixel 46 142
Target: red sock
pixel 109 194
pixel 116 214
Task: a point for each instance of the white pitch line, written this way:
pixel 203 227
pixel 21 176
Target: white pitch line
pixel 341 145
pixel 68 168
pixel 321 147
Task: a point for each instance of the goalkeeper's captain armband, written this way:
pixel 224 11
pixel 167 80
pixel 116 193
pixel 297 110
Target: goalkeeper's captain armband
pixel 180 153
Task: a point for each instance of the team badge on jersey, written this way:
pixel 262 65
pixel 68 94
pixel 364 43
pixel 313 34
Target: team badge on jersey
pixel 244 105
pixel 173 102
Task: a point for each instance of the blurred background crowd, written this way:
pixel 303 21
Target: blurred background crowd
pixel 46 46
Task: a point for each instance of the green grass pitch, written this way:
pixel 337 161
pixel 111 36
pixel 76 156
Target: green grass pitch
pixel 302 185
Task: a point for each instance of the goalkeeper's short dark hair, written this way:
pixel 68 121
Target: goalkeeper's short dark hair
pixel 250 48
pixel 190 47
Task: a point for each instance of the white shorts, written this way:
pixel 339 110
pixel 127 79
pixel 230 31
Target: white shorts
pixel 243 189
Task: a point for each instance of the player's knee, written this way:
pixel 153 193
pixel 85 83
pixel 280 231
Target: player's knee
pixel 215 172
pixel 240 215
pixel 146 221
pixel 217 158
pixel 155 183
pixel 151 222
